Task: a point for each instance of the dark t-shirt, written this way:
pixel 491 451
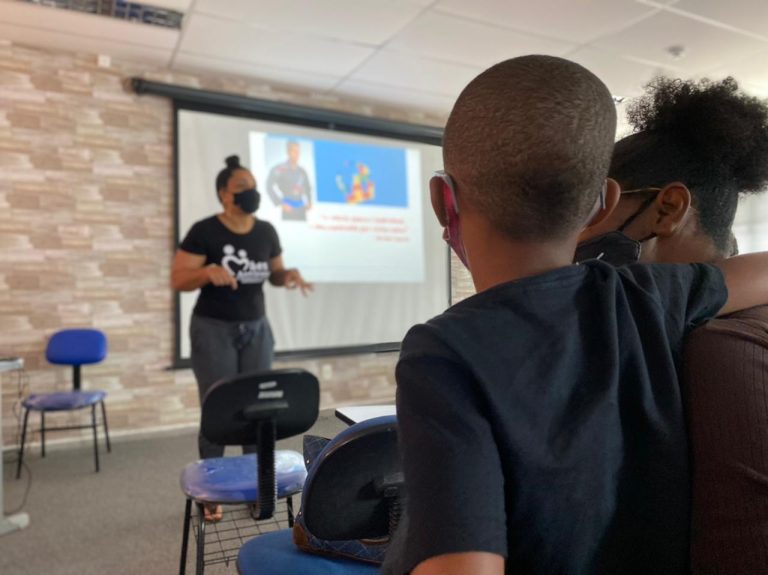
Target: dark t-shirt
pixel 245 256
pixel 542 420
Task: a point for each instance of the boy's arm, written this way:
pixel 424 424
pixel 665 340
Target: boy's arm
pixel 455 490
pixel 746 278
pixel 477 563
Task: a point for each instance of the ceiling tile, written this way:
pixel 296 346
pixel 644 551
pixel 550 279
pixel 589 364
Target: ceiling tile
pixel 227 40
pixel 750 15
pixel 411 100
pixel 270 74
pixel 448 37
pixel 370 22
pixel 87 26
pixel 432 48
pixel 623 78
pixel 400 70
pixel 759 90
pixel 219 38
pixel 706 47
pixel 752 72
pixel 571 20
pixel 38 38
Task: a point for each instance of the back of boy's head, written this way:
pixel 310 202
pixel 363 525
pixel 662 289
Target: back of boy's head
pixel 529 143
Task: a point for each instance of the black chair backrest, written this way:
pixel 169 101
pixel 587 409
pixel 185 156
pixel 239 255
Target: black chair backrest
pixel 260 408
pixel 353 490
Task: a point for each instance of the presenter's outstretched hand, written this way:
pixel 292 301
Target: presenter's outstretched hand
pixel 218 276
pixel 294 280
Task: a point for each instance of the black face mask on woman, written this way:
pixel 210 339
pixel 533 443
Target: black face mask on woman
pixel 616 248
pixel 248 200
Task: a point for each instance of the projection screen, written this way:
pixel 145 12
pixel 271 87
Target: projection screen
pixel 356 221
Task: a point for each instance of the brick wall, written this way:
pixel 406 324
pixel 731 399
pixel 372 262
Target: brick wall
pixel 86 235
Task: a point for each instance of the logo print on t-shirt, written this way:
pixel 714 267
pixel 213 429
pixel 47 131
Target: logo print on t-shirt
pixel 242 267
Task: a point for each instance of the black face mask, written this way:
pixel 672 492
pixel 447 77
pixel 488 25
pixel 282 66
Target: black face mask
pixel 615 248
pixel 248 200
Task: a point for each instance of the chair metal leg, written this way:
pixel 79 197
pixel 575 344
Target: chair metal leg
pixel 106 429
pixel 42 431
pixel 185 537
pixel 21 448
pixel 200 540
pixel 289 505
pixel 95 438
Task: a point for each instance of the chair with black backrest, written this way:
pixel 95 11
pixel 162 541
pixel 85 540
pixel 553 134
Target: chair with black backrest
pixel 257 408
pixel 75 347
pixel 350 507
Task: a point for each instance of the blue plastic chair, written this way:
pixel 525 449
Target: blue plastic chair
pixel 75 347
pixel 256 408
pixel 276 553
pixel 352 496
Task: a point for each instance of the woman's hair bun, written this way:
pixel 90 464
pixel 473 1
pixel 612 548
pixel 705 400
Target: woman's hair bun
pixel 233 162
pixel 723 129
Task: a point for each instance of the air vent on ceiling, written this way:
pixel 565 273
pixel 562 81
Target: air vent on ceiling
pixel 119 9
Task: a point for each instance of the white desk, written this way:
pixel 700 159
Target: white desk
pixel 357 413
pixel 19 520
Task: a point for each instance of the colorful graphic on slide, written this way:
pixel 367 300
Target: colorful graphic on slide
pixel 359 174
pixel 359 187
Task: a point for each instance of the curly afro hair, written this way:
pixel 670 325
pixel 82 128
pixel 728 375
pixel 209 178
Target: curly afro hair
pixel 708 135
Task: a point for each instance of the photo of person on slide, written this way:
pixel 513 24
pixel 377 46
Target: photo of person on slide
pixel 288 185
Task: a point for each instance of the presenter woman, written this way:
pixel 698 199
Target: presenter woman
pixel 228 257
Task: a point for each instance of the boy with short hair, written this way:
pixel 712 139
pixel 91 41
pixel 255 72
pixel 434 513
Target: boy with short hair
pixel 540 420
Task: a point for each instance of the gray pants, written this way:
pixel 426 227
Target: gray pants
pixel 223 349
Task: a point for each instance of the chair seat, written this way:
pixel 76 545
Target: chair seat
pixel 63 400
pixel 275 554
pixel 233 479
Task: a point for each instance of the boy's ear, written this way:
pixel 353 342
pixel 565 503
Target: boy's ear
pixel 610 201
pixel 671 207
pixel 437 196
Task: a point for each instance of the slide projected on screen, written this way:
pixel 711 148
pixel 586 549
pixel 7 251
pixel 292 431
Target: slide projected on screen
pixel 352 213
pixel 343 210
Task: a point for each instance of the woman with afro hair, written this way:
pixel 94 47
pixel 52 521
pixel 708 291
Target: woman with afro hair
pixel 696 149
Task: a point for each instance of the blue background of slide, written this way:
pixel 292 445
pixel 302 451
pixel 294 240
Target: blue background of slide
pixel 387 165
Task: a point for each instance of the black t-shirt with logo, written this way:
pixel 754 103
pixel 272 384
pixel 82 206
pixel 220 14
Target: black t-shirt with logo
pixel 245 256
